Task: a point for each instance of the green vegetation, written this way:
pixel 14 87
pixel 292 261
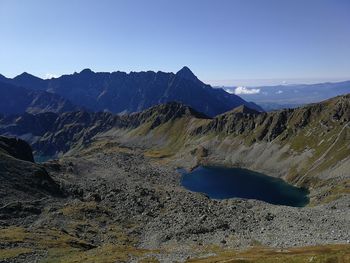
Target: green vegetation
pixel 173 137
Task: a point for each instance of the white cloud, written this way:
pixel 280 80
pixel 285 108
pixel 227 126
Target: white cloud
pixel 50 76
pixel 244 90
pixel 279 92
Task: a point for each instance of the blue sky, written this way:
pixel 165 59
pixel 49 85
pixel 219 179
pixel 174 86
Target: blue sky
pixel 224 42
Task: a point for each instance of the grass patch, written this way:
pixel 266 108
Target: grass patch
pixel 63 247
pixel 107 253
pixel 13 234
pixel 173 134
pixel 106 144
pixel 316 254
pixel 13 252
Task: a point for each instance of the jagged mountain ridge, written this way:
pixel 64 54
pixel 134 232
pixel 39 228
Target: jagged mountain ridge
pixel 284 123
pixel 241 121
pixel 51 133
pixel 121 92
pixel 258 126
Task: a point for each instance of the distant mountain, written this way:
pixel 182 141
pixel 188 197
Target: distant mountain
pixel 291 96
pixel 16 100
pixel 27 80
pixel 119 92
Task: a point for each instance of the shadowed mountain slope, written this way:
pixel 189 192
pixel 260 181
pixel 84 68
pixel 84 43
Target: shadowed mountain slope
pixel 21 179
pixel 16 100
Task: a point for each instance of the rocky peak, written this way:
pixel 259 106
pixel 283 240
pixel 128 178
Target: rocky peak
pixel 28 81
pixel 186 73
pixel 26 77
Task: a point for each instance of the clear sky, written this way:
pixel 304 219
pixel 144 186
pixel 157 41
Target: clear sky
pixel 224 42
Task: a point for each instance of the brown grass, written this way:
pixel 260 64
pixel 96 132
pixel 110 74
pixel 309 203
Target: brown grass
pixel 316 254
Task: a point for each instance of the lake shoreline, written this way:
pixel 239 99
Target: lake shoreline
pixel 225 183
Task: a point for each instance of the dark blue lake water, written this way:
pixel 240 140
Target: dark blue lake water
pixel 223 183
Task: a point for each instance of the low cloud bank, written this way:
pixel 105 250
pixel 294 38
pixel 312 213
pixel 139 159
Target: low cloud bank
pixel 244 90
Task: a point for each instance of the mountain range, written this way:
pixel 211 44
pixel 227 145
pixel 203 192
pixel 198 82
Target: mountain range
pixel 277 143
pixel 116 92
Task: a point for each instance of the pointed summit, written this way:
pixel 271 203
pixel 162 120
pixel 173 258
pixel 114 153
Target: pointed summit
pixel 29 81
pixel 185 69
pixel 186 73
pixel 25 76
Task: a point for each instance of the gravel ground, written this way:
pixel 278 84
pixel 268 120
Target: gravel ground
pixel 145 198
